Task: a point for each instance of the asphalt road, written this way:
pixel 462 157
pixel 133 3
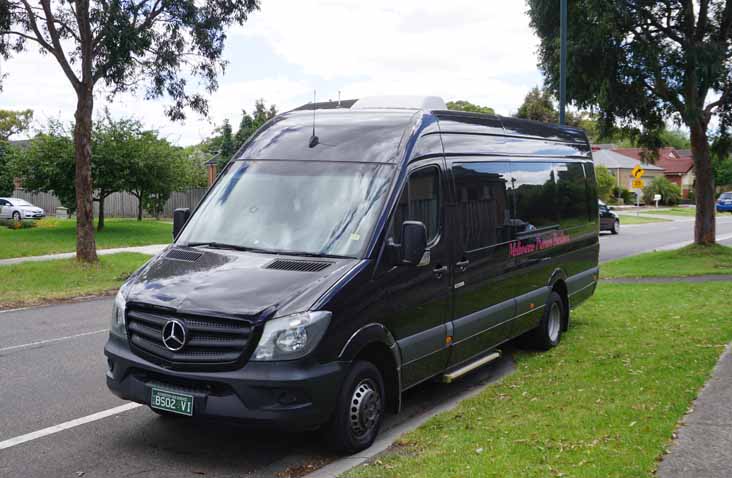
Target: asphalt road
pixel 52 371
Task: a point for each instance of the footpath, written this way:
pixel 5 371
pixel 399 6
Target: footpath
pixel 150 250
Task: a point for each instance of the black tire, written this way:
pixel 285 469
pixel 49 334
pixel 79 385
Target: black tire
pixel 359 410
pixel 616 227
pixel 549 332
pixel 16 216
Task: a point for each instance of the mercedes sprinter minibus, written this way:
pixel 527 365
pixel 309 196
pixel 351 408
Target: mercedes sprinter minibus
pixel 346 255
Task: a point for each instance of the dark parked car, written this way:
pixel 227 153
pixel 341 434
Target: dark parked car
pixel 344 257
pixel 609 221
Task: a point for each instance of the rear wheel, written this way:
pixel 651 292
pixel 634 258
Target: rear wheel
pixel 616 227
pixel 549 332
pixel 359 411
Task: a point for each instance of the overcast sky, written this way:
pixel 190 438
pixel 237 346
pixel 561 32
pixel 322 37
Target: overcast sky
pixel 483 52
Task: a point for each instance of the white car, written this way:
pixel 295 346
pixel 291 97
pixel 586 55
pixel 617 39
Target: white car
pixel 17 209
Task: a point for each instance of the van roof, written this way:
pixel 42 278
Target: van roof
pixel 376 135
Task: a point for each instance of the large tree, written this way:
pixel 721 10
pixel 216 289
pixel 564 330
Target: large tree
pixel 157 45
pixel 646 62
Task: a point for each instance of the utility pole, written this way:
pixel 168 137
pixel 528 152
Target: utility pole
pixel 563 62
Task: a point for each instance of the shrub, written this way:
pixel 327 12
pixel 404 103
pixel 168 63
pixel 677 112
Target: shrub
pixel 605 182
pixel 12 224
pixel 670 192
pixel 629 197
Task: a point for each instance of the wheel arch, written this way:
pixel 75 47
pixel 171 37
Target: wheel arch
pixel 374 343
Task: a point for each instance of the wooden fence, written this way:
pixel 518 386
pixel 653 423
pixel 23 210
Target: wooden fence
pixel 117 204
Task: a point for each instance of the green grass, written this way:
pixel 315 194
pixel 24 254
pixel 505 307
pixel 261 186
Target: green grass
pixel 688 261
pixel 56 235
pixel 628 219
pixel 31 283
pixel 603 404
pixel 674 211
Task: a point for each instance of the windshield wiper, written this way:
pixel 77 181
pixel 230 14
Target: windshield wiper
pixel 221 245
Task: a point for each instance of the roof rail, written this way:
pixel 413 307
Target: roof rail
pixel 401 102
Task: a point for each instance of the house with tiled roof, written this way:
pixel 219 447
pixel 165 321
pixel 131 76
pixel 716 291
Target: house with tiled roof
pixel 621 166
pixel 678 165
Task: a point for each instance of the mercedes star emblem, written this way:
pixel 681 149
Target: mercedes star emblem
pixel 174 335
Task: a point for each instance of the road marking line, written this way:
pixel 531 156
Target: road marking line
pixel 67 425
pixel 50 341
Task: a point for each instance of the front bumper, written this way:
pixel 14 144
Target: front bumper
pixel 292 395
pixel 34 215
pixel 724 207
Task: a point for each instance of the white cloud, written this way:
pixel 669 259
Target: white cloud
pixel 462 49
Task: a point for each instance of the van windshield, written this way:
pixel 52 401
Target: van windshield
pixel 306 207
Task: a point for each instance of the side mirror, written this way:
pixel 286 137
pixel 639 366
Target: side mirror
pixel 610 208
pixel 414 242
pixel 180 216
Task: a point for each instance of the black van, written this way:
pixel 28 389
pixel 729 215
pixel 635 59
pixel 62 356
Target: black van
pixel 347 255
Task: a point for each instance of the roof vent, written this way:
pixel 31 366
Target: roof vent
pixel 401 102
pixel 297 266
pixel 183 255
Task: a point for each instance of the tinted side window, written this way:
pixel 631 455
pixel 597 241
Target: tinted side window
pixel 483 203
pixel 571 194
pixel 591 192
pixel 420 201
pixel 534 189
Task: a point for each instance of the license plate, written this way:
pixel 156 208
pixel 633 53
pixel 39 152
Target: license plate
pixel 172 401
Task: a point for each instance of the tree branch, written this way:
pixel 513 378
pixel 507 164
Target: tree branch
pixel 58 49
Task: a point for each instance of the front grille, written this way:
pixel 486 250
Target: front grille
pixel 211 342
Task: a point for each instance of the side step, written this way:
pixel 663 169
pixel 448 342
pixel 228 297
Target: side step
pixel 452 376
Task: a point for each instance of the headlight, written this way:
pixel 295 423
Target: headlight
pixel 117 326
pixel 291 337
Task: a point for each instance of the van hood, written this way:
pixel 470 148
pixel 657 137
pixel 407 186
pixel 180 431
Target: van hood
pixel 233 283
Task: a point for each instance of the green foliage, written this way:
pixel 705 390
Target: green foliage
pixel 675 138
pixel 13 122
pixel 462 105
pixel 6 169
pixel 48 164
pixel 670 192
pixel 605 182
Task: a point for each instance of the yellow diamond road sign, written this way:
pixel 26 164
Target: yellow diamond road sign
pixel 638 184
pixel 637 172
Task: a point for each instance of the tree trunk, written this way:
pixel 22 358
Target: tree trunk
pixel 86 248
pixel 705 226
pixel 139 207
pixel 100 219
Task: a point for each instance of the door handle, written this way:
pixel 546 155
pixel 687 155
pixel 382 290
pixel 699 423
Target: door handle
pixel 462 265
pixel 439 271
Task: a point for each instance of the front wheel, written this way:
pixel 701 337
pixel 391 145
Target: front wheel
pixel 616 227
pixel 359 411
pixel 16 216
